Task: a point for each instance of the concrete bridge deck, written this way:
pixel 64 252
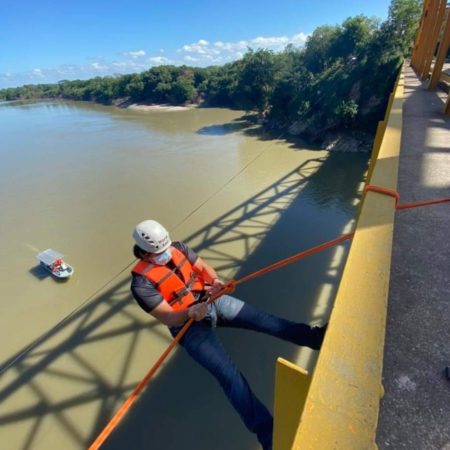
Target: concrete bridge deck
pixel 415 411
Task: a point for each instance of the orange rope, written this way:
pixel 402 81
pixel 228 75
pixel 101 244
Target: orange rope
pixel 137 390
pixel 228 288
pixel 427 203
pixel 383 190
pixel 396 195
pixel 296 257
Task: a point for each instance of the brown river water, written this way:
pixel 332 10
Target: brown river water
pixel 77 177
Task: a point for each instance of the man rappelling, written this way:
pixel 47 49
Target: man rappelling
pixel 172 283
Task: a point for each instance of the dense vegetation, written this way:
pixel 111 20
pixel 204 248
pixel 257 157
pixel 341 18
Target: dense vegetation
pixel 340 79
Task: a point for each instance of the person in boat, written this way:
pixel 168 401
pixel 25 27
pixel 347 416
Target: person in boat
pixel 171 282
pixel 57 265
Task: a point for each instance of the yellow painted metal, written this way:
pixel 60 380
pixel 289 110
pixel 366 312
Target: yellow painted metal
pixel 389 104
pixel 341 409
pixel 432 37
pixel 291 388
pixel 376 148
pixel 419 36
pixel 426 26
pixel 440 58
pixel 434 29
pixel 381 127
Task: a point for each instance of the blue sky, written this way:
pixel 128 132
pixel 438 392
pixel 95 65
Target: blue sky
pixel 46 41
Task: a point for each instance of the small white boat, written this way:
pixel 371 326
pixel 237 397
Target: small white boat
pixel 52 261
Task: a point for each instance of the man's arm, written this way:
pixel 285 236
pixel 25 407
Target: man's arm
pixel 168 316
pixel 208 274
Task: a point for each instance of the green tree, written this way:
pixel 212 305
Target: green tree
pixel 162 92
pixel 182 91
pixel 403 21
pixel 290 98
pixel 135 88
pixel 317 54
pixel 257 79
pixel 219 89
pixel 353 37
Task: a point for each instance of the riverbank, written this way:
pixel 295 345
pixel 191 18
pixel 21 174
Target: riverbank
pixel 345 141
pixel 142 106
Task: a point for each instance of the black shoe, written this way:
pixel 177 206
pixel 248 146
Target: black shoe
pixel 319 336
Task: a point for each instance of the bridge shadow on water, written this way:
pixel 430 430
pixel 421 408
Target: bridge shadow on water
pixel 183 407
pixel 312 204
pixel 248 124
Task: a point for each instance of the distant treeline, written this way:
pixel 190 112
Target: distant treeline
pixel 340 79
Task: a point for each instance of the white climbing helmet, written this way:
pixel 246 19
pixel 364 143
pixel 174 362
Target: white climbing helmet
pixel 151 236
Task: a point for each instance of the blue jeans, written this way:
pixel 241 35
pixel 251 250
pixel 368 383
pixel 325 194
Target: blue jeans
pixel 203 346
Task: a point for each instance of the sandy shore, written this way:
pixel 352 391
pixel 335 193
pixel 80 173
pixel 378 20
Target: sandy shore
pixel 142 107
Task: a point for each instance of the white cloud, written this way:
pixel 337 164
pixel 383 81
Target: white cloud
pixel 157 60
pixel 231 46
pixel 198 47
pixel 67 70
pixel 268 42
pixel 5 76
pixel 135 54
pixel 205 52
pixel 37 73
pixel 98 66
pixel 299 39
pixel 123 64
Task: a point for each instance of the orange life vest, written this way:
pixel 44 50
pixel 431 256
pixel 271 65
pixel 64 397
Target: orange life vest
pixel 175 285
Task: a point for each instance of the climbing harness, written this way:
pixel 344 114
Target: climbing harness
pixel 229 287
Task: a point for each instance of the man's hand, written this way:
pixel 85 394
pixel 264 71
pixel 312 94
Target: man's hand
pixel 216 286
pixel 198 311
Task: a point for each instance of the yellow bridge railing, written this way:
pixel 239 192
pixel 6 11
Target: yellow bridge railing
pixel 338 407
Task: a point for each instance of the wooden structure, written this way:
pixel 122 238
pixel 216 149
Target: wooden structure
pixel 432 44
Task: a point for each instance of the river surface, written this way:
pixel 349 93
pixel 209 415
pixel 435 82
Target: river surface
pixel 77 177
